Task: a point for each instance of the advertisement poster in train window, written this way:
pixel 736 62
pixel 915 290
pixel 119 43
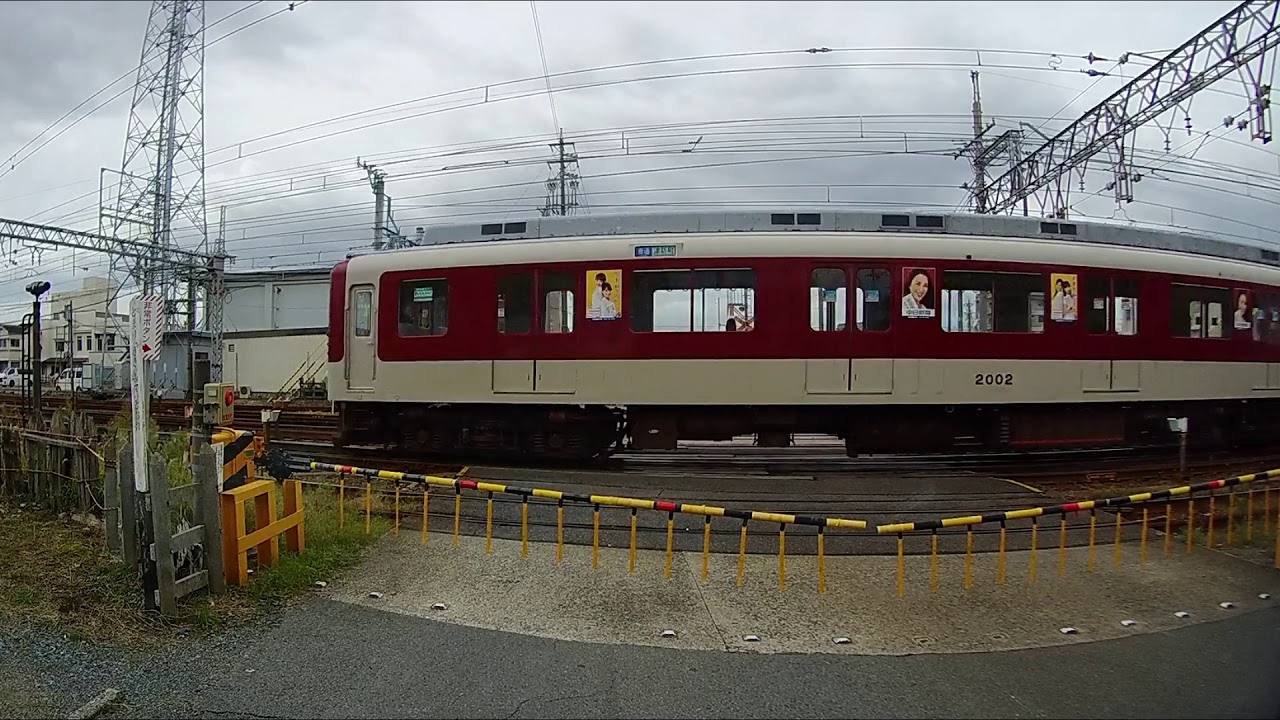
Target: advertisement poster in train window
pixel 1243 311
pixel 919 293
pixel 1064 296
pixel 604 301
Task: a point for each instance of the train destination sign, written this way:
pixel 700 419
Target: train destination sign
pixel 657 251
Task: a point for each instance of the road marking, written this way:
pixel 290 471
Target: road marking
pixel 1024 485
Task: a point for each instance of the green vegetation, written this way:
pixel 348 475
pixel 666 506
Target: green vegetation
pixel 61 573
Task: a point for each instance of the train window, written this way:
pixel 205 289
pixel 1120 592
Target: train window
pixel 424 308
pixel 515 304
pixel 1269 318
pixel 660 300
pixel 992 302
pixel 363 321
pixel 1126 307
pixel 828 296
pixel 1097 309
pixel 1197 312
pixel 692 300
pixel 724 300
pixel 557 302
pixel 874 293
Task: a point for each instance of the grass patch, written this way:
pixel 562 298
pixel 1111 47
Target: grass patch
pixel 329 549
pixel 60 573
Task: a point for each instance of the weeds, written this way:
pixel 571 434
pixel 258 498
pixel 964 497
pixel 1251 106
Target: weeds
pixel 60 573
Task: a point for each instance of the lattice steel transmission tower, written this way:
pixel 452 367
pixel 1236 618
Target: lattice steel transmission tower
pixel 161 192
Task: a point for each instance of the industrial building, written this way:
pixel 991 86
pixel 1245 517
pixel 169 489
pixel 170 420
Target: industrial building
pixel 274 340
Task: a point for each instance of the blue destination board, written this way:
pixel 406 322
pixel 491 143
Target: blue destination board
pixel 656 251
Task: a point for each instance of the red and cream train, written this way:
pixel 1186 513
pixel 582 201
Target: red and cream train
pixel 569 337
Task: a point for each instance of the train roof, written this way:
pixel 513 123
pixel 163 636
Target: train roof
pixel 832 233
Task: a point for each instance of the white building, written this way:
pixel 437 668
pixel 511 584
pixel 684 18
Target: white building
pixel 10 345
pixel 79 328
pixel 275 325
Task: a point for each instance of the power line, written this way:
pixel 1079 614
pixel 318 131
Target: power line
pixel 546 73
pixel 130 73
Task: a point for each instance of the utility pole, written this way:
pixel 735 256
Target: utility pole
pixel 69 311
pixel 979 163
pixel 378 181
pixel 565 180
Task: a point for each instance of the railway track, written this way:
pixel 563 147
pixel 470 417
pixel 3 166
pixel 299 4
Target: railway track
pixel 1062 472
pixel 308 429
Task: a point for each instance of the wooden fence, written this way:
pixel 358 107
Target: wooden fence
pixel 54 467
pixel 179 526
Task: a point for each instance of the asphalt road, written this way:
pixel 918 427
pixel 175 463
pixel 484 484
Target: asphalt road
pixel 327 659
pixel 332 659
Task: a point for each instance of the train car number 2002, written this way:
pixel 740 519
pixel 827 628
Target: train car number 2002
pixel 993 379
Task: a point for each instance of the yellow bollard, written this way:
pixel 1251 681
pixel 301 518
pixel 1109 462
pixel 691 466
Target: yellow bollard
pixel 1035 531
pixel 524 527
pixel 742 553
pixel 1168 528
pixel 342 502
pixel 1142 541
pixel 1277 529
pixel 706 548
pixel 782 557
pixel 968 558
pixel 631 553
pixel 933 561
pixel 488 525
pixel 1266 509
pixel 671 529
pixel 559 531
pixel 1093 529
pixel 368 505
pixel 1248 516
pixel 595 538
pixel 1062 546
pixel 1119 550
pixel 426 512
pixel 1191 524
pixel 457 516
pixel 395 526
pixel 1213 510
pixel 822 561
pixel 1000 557
pixel 1231 514
pixel 902 568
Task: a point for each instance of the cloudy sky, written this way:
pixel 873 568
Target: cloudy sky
pixel 450 99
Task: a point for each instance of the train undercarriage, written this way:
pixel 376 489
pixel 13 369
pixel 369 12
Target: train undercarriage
pixel 571 432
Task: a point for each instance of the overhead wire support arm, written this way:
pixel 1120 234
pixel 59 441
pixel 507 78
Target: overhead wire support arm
pixel 56 237
pixel 1240 37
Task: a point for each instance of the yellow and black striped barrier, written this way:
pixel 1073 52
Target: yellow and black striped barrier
pixel 1144 501
pixel 598 501
pixel 234 451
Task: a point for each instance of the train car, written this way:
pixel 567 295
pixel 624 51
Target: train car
pixel 900 333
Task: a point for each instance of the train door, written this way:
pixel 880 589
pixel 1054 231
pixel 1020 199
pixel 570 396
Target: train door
pixel 871 360
pixel 1112 315
pixel 827 367
pixel 361 356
